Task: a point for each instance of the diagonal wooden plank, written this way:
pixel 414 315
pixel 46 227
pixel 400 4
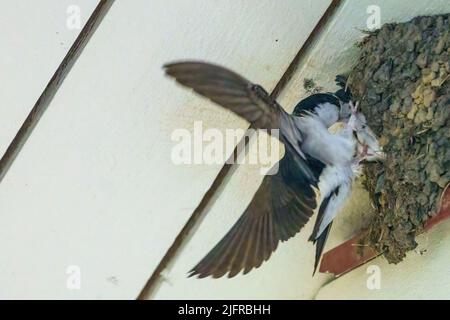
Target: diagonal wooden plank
pixel 35 40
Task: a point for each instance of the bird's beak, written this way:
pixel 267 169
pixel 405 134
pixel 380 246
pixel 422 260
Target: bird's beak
pixel 354 107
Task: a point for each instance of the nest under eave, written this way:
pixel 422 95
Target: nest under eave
pixel 403 82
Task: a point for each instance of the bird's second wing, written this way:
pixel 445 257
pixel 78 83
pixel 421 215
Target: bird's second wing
pixel 282 205
pixel 310 103
pixel 341 81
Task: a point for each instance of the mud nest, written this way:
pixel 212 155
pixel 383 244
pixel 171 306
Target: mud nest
pixel 402 79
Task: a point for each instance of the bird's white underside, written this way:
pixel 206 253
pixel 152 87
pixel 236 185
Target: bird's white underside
pixel 333 143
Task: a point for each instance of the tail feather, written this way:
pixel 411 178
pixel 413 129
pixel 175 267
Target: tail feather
pixel 320 245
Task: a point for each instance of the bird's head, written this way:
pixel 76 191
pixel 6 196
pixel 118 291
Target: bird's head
pixel 368 148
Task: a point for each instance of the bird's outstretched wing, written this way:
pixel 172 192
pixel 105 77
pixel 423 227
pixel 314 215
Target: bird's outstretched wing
pixel 248 100
pixel 230 90
pixel 282 205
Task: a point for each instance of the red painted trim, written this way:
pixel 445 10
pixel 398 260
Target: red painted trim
pixel 444 210
pixel 350 254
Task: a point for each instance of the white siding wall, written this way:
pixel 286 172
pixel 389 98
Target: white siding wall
pixel 34 39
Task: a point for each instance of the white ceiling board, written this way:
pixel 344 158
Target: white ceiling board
pixel 287 275
pixel 94 186
pixel 35 38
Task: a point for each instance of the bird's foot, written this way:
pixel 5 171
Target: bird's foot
pixel 365 153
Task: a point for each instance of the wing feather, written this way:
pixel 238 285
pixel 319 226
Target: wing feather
pixel 277 212
pixel 229 90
